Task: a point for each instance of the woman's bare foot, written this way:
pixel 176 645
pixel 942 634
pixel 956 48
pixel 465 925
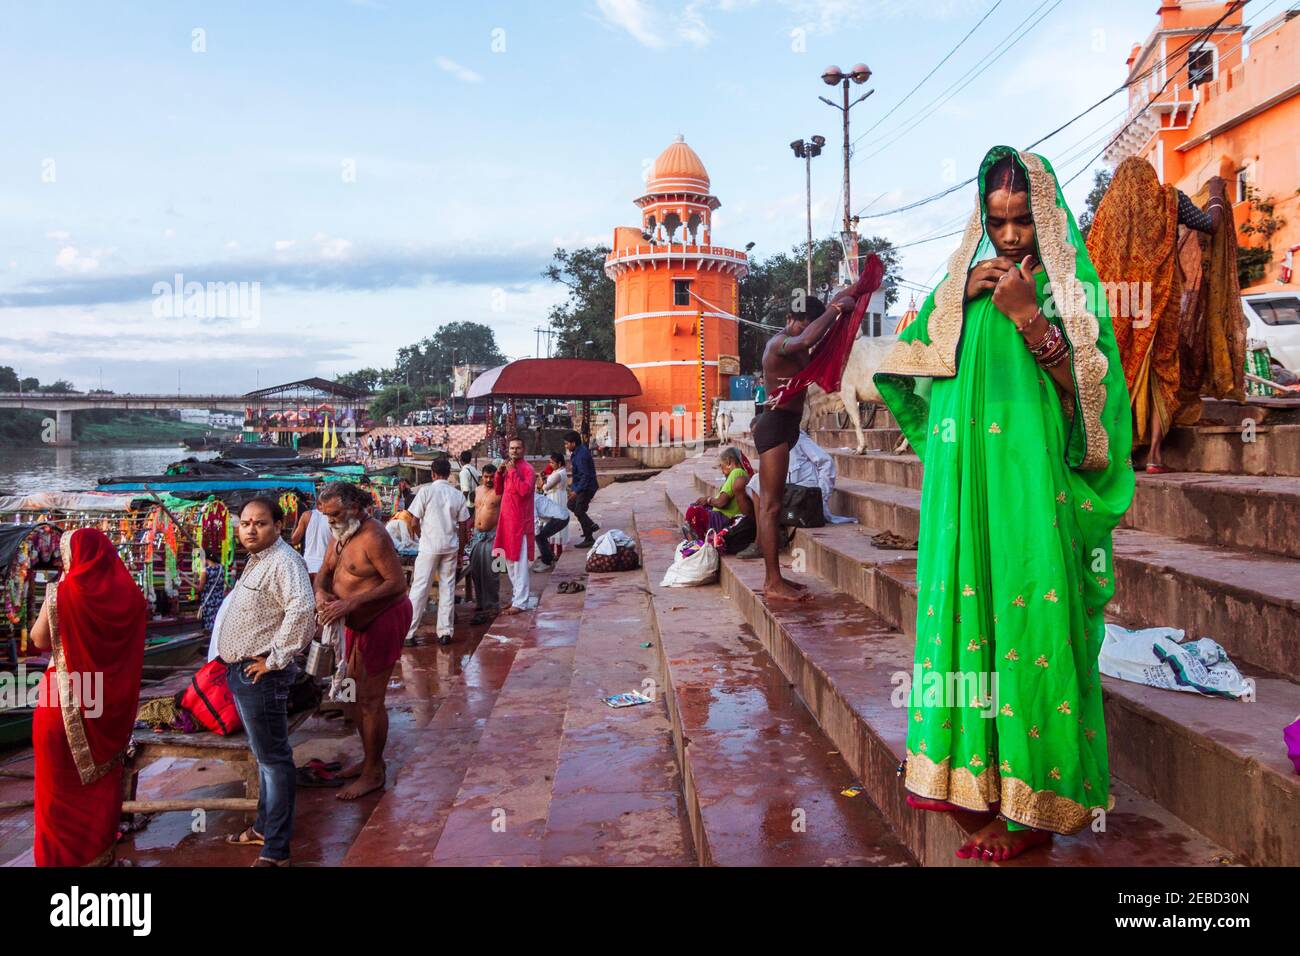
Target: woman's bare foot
pixel 783 590
pixel 352 772
pixel 367 782
pixel 512 610
pixel 996 843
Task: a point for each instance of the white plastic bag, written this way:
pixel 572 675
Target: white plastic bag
pixel 1156 657
pixel 695 569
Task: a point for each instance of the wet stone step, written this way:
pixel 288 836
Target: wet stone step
pixel 844 659
pixel 764 785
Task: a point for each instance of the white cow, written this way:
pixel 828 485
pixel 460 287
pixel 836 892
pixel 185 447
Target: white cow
pixel 857 384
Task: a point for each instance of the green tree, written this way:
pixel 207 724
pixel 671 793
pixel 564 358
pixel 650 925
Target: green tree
pixel 428 362
pixel 1100 183
pixel 8 379
pixel 587 315
pixel 364 378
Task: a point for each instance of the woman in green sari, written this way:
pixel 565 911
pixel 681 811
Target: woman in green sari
pixel 1010 389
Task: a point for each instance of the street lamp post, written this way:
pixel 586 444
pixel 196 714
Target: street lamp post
pixel 806 151
pixel 833 76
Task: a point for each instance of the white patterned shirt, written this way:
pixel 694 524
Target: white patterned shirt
pixel 271 611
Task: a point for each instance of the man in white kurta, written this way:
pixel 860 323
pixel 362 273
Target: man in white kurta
pixel 442 513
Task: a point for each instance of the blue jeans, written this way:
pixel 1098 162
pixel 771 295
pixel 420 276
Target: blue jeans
pixel 264 709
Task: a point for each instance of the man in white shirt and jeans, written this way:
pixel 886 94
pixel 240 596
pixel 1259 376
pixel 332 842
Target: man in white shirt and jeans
pixel 441 511
pixel 269 617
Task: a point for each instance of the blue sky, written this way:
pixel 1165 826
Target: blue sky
pixel 383 167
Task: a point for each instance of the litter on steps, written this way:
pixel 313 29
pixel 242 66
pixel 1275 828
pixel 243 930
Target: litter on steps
pixel 1156 656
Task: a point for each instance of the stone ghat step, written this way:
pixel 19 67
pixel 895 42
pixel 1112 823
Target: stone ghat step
pixel 1164 743
pixel 1252 512
pixel 558 777
pixel 405 827
pixel 1267 449
pixel 764 785
pixel 1273 450
pixel 843 659
pixel 1246 600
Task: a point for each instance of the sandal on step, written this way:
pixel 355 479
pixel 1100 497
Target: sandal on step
pixel 249 837
pixel 263 861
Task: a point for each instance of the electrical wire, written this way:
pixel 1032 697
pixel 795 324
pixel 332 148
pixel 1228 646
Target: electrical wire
pixel 1200 36
pixel 930 74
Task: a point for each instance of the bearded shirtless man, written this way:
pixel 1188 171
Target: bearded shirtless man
pixel 362 583
pixel 482 582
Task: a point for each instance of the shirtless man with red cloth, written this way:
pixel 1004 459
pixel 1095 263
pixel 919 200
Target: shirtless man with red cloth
pixel 362 582
pixel 777 429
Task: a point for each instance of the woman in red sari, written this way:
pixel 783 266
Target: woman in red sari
pixel 93 623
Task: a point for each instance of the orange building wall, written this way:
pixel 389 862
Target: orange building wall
pixel 1268 142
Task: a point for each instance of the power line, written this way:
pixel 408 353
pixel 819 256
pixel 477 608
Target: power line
pixel 930 74
pixel 969 77
pixel 1208 31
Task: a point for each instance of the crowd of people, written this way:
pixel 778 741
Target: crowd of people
pixel 348 580
pixel 1019 393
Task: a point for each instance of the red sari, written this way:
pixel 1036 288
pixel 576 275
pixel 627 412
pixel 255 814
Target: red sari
pixel 88 701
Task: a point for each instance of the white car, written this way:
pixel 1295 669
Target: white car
pixel 1274 319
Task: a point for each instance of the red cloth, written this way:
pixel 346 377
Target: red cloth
pixel 831 354
pixel 381 641
pixel 515 486
pixel 100 627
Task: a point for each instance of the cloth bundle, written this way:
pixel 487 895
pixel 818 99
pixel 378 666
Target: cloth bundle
pixel 613 551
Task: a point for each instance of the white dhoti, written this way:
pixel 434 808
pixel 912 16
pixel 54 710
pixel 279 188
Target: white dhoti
pixel 427 564
pixel 518 571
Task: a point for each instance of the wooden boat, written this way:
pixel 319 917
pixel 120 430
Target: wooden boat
pixel 163 653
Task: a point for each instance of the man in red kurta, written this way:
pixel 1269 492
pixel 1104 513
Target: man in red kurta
pixel 514 483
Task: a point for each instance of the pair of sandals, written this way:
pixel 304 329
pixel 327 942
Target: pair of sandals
pixel 318 773
pixel 571 587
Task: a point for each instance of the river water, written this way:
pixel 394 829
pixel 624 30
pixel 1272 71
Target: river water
pixel 25 470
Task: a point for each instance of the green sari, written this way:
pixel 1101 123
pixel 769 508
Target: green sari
pixel 1014 567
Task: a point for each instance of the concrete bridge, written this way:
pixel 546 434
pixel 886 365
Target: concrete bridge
pixel 63 404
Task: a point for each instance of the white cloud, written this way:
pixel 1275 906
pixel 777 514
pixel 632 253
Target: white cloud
pixel 169 233
pixel 462 73
pixel 635 17
pixel 282 245
pixel 232 245
pixel 335 248
pixel 70 259
pixel 62 235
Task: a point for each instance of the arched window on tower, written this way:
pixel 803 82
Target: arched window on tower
pixel 672 222
pixel 693 226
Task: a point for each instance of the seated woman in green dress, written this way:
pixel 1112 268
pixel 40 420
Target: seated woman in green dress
pixel 1010 389
pixel 713 513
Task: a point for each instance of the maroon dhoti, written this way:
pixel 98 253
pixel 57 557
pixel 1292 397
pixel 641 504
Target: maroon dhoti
pixel 380 644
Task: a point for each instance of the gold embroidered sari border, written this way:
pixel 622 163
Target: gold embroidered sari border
pixel 1014 798
pixel 1052 225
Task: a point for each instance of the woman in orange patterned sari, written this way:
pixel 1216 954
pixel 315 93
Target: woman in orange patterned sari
pixel 1133 243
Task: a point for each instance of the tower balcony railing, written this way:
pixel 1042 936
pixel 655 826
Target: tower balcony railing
pixel 670 251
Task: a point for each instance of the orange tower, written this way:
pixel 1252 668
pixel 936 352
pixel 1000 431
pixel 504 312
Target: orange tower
pixel 675 302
